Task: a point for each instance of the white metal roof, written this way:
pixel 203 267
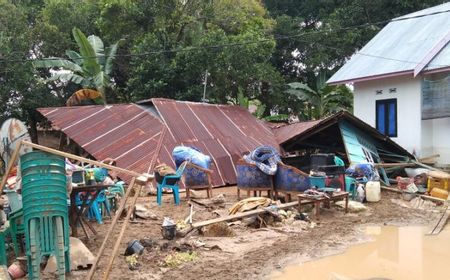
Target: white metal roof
pixel 417 41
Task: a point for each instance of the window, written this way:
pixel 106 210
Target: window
pixel 386 118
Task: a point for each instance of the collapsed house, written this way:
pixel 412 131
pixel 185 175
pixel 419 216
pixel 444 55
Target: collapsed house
pixel 129 133
pixel 342 134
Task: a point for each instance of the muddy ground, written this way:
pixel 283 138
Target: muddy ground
pixel 252 253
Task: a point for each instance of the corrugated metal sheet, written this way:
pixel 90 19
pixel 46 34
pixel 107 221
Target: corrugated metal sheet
pixel 222 131
pixel 400 46
pixel 129 133
pixel 297 131
pixel 124 132
pixel 287 132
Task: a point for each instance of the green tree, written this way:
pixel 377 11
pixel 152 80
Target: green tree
pixel 90 68
pixel 228 39
pixel 322 100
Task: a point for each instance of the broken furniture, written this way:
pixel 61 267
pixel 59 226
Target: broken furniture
pixel 197 178
pixel 289 179
pixel 251 178
pixel 45 213
pixel 304 199
pixel 79 204
pixel 170 182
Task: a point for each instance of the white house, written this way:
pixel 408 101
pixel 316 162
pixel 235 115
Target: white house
pixel 401 81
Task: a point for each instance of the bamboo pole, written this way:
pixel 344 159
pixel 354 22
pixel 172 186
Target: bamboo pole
pixel 10 165
pixel 136 195
pixel 110 230
pixel 82 159
pixel 122 232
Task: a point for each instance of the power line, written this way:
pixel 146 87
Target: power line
pixel 276 37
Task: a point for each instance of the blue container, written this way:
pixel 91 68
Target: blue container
pixel 318 181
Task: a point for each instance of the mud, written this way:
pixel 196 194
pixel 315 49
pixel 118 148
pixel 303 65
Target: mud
pixel 251 253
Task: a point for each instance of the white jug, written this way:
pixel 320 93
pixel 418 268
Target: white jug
pixel 373 191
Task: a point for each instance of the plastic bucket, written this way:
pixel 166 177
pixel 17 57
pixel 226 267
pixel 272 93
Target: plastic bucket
pixel 169 232
pixel 16 271
pixel 134 247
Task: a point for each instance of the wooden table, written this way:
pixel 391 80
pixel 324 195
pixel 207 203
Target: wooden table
pixel 76 215
pixel 304 199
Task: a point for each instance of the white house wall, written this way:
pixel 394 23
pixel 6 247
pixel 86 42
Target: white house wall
pixel 408 95
pixel 441 139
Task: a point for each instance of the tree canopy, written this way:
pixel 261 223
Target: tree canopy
pixel 260 50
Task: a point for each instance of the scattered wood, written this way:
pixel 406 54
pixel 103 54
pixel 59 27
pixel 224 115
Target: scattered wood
pixel 430 159
pixel 111 228
pixel 243 214
pixel 435 199
pixel 395 164
pixel 441 222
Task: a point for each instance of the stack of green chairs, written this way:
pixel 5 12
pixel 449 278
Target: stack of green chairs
pixel 45 211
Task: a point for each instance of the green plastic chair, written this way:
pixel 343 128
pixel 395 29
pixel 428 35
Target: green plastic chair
pixel 114 191
pixel 17 229
pixel 45 212
pixel 5 231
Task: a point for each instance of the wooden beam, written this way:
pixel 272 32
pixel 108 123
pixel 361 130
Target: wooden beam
pixel 441 222
pixel 395 164
pixel 435 199
pixel 243 215
pixel 82 159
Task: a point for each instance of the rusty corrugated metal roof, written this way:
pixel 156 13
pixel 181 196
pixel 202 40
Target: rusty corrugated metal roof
pixel 286 132
pixel 129 132
pixel 224 132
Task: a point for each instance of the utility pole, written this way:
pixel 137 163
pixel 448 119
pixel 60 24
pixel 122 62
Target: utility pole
pixel 204 87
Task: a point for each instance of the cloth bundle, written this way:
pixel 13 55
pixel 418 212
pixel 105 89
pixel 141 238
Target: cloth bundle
pixel 266 158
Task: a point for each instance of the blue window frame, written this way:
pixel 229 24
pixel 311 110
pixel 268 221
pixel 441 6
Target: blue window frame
pixel 386 117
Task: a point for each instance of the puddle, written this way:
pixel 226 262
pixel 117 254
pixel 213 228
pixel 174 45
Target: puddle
pixel 400 253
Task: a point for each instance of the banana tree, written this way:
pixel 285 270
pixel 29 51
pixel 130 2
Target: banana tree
pixel 324 100
pixel 90 68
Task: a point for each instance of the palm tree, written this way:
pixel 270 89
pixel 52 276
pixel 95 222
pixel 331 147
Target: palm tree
pixel 91 67
pixel 324 100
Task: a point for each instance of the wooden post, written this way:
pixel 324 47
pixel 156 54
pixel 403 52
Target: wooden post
pixel 10 165
pixel 111 228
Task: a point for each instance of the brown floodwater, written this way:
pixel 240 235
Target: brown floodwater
pixel 400 253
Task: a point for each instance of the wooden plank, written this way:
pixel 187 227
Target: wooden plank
pixel 441 222
pixel 243 214
pixel 435 199
pixel 395 164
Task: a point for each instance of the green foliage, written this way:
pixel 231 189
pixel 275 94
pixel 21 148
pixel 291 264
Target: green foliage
pixel 90 68
pixel 169 44
pixel 322 101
